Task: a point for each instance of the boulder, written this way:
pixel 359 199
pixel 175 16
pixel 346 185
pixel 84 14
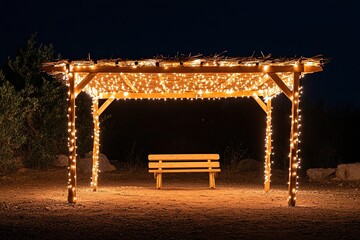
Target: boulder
pixel 320 174
pixel 61 161
pixel 349 172
pixel 85 164
pixel 249 165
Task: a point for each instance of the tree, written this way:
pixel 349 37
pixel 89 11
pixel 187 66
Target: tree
pixel 45 123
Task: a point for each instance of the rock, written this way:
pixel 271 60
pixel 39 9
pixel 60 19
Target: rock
pixel 249 165
pixel 85 164
pixel 61 161
pixel 320 174
pixel 23 170
pixel 349 171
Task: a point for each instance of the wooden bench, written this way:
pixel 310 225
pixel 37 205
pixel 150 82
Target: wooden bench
pixel 183 163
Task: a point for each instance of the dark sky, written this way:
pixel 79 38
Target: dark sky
pixel 142 29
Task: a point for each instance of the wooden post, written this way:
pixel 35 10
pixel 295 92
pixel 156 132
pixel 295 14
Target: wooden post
pixel 96 148
pixel 72 140
pixel 268 151
pixel 294 141
pixel 159 177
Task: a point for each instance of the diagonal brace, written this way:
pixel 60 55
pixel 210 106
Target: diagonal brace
pixel 84 82
pixel 127 81
pixel 104 106
pixel 261 103
pixel 281 85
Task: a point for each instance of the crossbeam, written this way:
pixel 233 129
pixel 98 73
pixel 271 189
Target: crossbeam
pixel 190 95
pixel 183 69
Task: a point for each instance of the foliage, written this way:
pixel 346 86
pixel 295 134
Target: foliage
pixel 34 107
pixel 43 125
pixel 12 135
pixel 25 69
pixel 46 125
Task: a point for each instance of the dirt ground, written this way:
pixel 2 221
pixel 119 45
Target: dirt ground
pixel 33 205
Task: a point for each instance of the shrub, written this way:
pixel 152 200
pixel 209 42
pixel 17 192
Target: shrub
pixel 12 134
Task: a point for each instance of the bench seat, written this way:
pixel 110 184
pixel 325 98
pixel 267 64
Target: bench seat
pixel 184 163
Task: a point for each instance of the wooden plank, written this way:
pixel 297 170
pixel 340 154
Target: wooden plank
pixel 185 95
pixel 166 157
pixel 184 69
pixel 184 171
pixel 260 102
pixel 234 69
pixel 281 84
pixel 184 165
pixel 105 105
pixel 312 69
pixel 84 82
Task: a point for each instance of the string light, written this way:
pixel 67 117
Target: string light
pixel 184 80
pixel 268 148
pixel 96 147
pixel 294 161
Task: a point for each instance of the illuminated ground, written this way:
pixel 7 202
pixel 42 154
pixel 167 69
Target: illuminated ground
pixel 33 206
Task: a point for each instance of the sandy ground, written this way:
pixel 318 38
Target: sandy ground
pixel 127 206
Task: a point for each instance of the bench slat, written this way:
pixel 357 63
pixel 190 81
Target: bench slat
pixel 183 170
pixel 184 164
pixel 185 157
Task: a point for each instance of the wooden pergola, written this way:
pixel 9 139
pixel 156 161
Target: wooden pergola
pixel 186 78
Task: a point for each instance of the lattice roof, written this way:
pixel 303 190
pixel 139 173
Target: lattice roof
pixel 184 77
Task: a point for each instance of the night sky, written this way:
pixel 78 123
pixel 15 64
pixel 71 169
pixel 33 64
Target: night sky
pixel 144 29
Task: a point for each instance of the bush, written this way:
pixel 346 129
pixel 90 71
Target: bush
pixel 12 134
pixel 46 125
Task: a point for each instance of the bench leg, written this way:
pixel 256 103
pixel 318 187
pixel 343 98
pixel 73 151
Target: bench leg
pixel 158 181
pixel 212 180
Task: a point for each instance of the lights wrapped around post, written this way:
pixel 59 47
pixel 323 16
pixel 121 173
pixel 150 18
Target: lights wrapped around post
pixel 294 141
pixel 72 140
pixel 267 163
pixel 96 148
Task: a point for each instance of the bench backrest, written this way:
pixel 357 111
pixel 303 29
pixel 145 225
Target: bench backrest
pixel 184 162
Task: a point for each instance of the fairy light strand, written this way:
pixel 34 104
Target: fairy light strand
pixel 171 79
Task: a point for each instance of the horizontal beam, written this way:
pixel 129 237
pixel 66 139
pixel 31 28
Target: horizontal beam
pixel 183 69
pixel 126 95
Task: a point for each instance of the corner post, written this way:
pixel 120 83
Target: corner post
pixel 294 141
pixel 268 151
pixel 72 138
pixel 96 148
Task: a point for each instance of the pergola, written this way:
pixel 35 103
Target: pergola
pixel 186 78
